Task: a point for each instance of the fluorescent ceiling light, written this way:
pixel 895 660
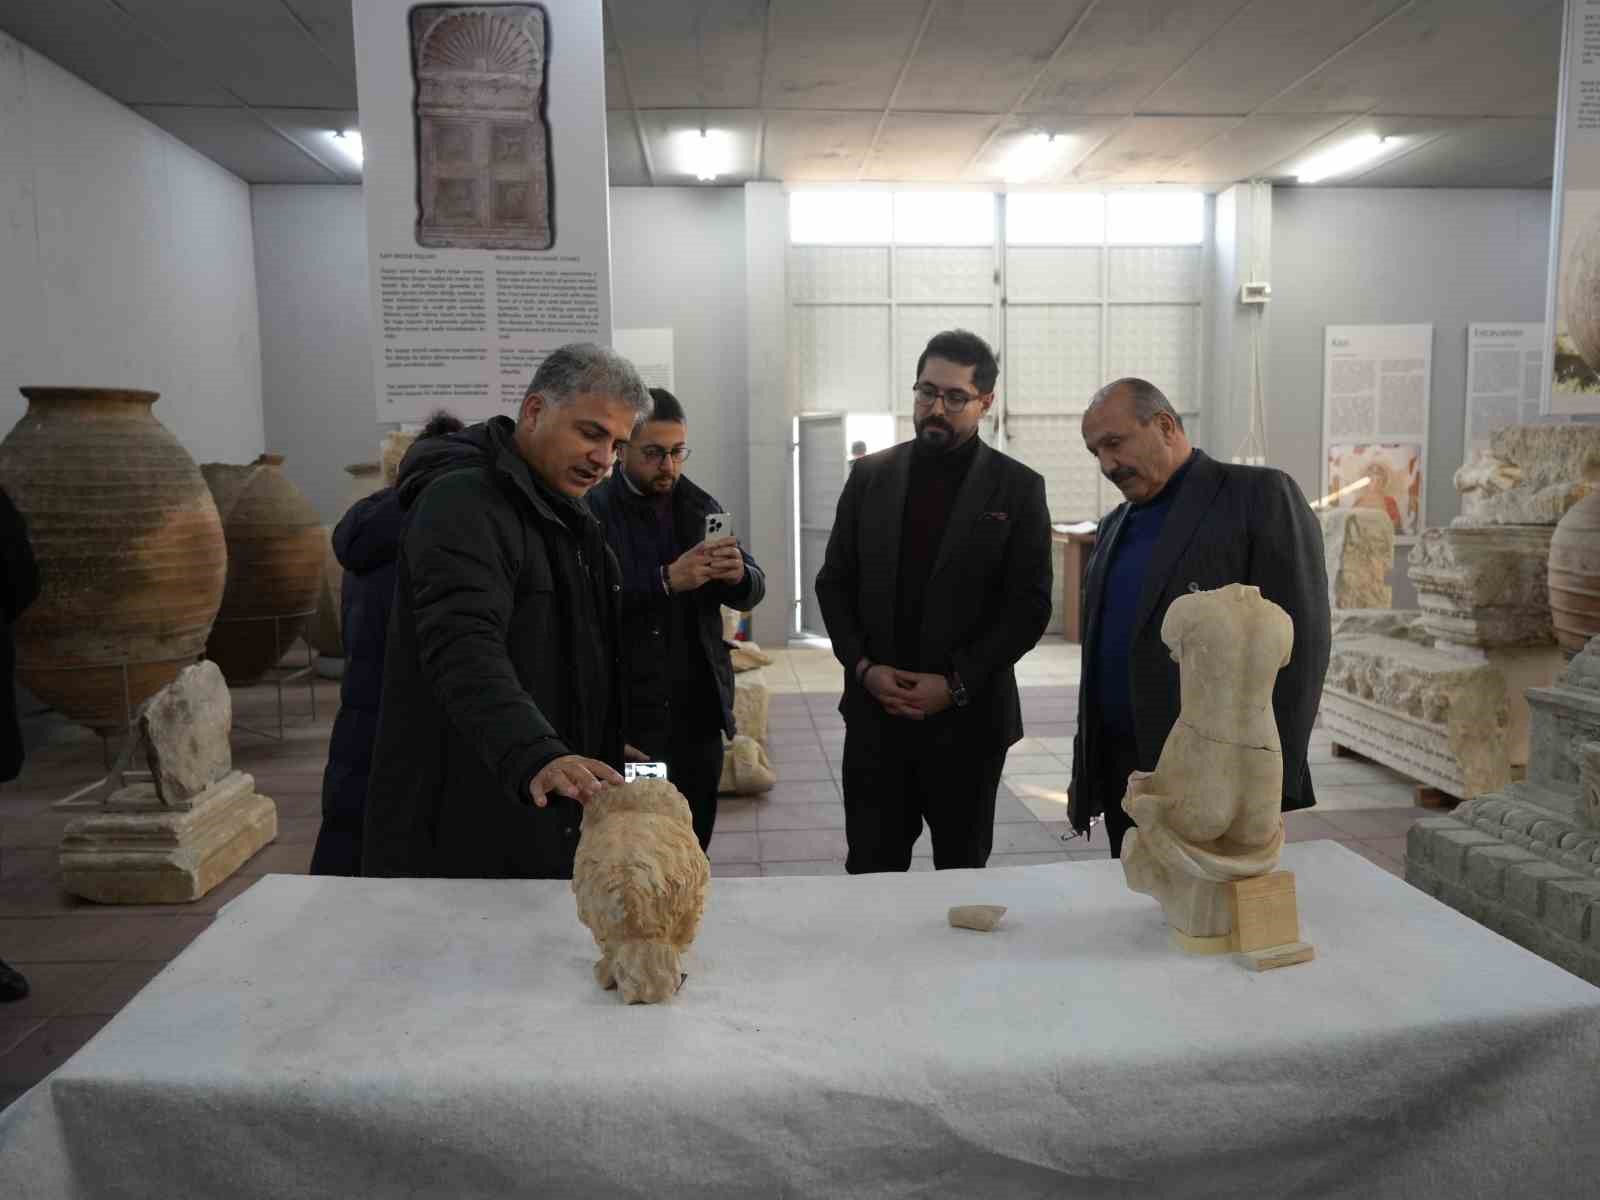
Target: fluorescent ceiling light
pixel 707 153
pixel 1033 156
pixel 348 142
pixel 1345 157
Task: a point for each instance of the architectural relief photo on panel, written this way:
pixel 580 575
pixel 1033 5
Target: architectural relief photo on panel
pixel 483 143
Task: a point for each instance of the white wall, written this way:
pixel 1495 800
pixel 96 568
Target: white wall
pixel 677 259
pixel 316 329
pixel 125 261
pixel 1345 256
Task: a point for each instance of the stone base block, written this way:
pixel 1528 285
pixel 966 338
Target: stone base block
pixel 1541 890
pixel 1430 714
pixel 158 855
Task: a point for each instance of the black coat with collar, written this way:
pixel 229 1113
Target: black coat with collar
pixel 501 655
pixel 988 598
pixel 1228 524
pixel 613 505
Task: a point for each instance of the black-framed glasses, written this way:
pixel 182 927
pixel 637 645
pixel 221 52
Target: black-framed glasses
pixel 954 398
pixel 656 455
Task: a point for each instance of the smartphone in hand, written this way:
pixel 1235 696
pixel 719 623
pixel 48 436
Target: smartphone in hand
pixel 718 525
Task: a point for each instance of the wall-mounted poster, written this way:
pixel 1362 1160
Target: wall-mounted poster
pixel 1572 303
pixel 488 238
pixel 1505 372
pixel 1386 476
pixel 1375 399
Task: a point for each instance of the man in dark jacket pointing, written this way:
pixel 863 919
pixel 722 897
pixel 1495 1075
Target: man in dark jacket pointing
pixel 502 686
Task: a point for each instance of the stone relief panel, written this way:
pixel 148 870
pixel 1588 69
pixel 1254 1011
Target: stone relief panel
pixel 483 160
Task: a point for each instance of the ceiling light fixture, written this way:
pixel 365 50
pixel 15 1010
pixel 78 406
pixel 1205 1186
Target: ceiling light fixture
pixel 1345 157
pixel 707 153
pixel 348 142
pixel 1032 156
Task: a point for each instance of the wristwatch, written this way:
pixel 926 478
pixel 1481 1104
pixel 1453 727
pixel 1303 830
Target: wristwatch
pixel 958 690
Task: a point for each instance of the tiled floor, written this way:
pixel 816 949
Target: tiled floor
pixel 86 961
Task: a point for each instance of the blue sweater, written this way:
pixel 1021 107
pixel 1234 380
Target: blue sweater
pixel 1119 604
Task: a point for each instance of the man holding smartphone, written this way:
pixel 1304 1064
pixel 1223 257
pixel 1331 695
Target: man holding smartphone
pixel 680 564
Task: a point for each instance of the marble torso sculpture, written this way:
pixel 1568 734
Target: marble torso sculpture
pixel 640 878
pixel 1210 812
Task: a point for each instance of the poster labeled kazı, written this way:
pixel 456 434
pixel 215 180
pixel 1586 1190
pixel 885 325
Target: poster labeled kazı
pixel 486 193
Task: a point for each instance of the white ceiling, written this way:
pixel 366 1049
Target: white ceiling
pixel 1144 91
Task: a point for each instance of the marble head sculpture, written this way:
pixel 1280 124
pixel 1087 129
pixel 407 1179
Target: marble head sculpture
pixel 640 878
pixel 1210 812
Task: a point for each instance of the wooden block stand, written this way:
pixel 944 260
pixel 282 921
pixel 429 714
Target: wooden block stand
pixel 1266 925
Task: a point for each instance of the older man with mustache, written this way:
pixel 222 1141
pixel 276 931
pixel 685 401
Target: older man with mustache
pixel 1189 524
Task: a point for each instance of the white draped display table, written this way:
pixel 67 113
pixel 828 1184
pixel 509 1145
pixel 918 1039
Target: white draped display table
pixel 367 1037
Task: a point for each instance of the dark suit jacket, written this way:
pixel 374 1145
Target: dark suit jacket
pixel 1228 524
pixel 988 597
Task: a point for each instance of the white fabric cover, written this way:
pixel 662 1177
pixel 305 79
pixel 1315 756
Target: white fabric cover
pixel 339 1037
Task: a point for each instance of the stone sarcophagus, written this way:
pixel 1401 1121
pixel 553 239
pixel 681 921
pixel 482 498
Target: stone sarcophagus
pixel 483 144
pixel 1440 694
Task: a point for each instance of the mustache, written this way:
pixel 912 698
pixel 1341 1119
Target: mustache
pixel 934 423
pixel 1121 474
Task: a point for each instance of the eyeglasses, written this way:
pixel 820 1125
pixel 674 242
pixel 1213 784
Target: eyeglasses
pixel 656 455
pixel 954 398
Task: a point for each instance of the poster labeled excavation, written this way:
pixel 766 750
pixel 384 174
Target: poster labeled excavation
pixel 485 182
pixel 1572 307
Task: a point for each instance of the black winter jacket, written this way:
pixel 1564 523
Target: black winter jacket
pixel 501 657
pixel 645 614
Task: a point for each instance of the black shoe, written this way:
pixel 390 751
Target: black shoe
pixel 12 985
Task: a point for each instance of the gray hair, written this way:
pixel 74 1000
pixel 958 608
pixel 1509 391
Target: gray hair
pixel 1148 399
pixel 585 367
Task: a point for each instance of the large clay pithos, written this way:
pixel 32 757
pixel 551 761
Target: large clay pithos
pixel 324 634
pixel 1575 575
pixel 130 550
pixel 276 549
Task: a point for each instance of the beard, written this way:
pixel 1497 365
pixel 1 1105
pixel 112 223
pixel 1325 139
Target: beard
pixel 934 434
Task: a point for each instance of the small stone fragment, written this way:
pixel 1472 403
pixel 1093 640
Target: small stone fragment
pixel 982 917
pixel 184 728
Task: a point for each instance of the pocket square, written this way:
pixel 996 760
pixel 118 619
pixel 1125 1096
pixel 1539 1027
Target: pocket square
pixel 996 516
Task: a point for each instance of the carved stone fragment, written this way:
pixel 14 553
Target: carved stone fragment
pixel 640 880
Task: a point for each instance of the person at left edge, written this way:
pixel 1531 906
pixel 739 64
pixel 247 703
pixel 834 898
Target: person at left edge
pixel 19 587
pixel 502 688
pixel 674 584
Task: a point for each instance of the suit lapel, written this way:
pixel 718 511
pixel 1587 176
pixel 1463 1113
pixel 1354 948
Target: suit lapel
pixel 887 513
pixel 975 489
pixel 1189 508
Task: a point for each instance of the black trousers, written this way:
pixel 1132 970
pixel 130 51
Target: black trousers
pixel 891 786
pixel 694 765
